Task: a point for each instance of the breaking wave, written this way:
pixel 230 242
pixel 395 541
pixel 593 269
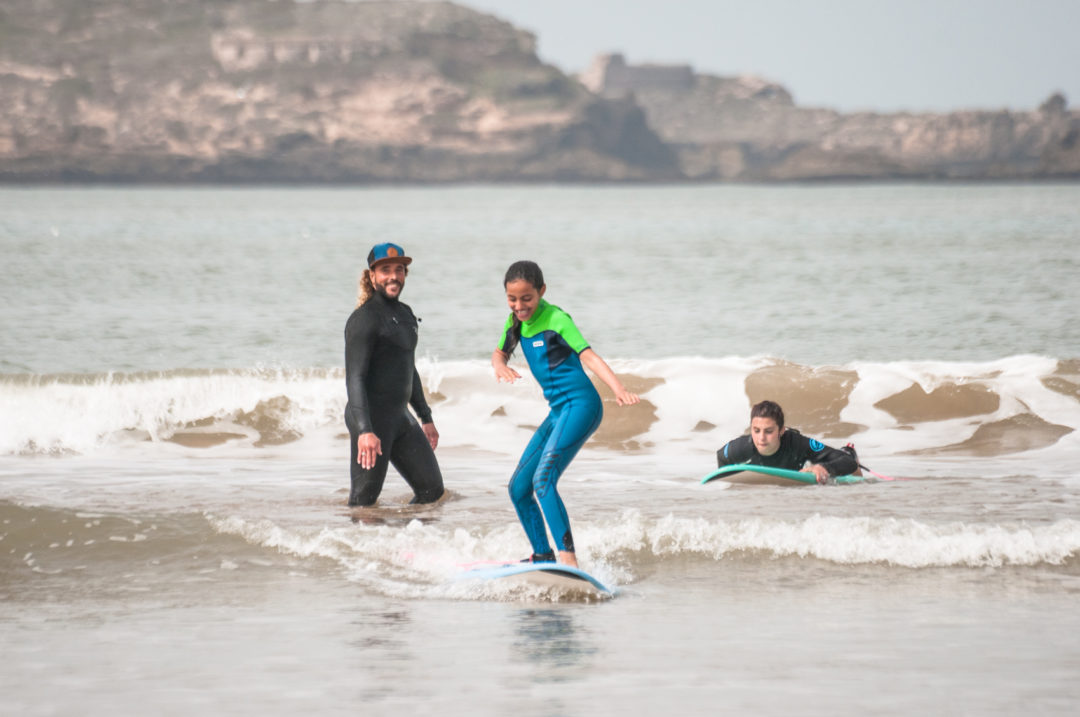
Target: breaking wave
pixel 1011 405
pixel 411 560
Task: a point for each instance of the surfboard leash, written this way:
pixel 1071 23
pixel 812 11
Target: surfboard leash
pixel 876 475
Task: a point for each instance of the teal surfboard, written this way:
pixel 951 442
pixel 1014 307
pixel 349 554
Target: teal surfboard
pixel 555 575
pixel 797 476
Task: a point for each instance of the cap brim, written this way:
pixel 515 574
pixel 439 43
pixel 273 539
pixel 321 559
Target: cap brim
pixel 406 260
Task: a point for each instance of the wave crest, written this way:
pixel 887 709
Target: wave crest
pixel 994 408
pixel 905 543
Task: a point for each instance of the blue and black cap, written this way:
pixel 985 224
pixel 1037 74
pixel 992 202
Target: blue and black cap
pixel 382 253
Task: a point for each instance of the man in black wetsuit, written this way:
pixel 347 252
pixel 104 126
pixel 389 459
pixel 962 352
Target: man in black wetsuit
pixel 770 444
pixel 382 381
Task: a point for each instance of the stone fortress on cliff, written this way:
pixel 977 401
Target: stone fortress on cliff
pixel 746 127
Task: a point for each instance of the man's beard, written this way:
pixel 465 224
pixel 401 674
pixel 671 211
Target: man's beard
pixel 381 288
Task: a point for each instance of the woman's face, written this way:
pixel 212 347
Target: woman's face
pixel 766 435
pixel 523 298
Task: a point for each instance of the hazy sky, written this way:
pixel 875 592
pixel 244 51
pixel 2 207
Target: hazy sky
pixel 885 55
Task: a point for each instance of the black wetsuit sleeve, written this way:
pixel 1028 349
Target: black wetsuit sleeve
pixel 361 333
pixel 417 400
pixel 837 462
pixel 739 450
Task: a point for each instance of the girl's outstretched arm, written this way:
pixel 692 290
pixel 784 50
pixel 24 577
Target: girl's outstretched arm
pixel 597 365
pixel 502 371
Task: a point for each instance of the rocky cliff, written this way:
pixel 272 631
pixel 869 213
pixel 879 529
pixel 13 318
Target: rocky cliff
pixel 748 129
pixel 250 90
pixel 333 91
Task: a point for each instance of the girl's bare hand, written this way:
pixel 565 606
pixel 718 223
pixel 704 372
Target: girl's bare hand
pixel 507 374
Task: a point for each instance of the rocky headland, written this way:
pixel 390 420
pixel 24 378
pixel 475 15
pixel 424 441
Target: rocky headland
pixel 331 91
pixel 749 129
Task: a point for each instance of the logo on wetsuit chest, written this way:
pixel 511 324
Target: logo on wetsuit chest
pixel 415 327
pixel 538 343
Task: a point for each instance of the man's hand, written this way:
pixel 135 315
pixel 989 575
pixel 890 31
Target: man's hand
pixel 432 434
pixel 368 446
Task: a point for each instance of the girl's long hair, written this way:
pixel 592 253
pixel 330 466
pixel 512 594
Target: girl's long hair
pixel 527 270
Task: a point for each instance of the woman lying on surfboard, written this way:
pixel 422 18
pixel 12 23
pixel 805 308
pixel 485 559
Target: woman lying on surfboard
pixel 555 352
pixel 770 444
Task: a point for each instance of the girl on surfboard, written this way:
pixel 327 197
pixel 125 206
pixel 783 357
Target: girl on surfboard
pixel 557 355
pixel 771 444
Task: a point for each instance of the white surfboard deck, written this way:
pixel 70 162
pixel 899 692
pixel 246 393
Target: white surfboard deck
pixel 552 575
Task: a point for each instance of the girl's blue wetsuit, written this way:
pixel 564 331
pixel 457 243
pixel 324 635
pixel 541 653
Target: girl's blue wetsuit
pixel 552 346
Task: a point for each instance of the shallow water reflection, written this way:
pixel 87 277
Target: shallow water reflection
pixel 554 641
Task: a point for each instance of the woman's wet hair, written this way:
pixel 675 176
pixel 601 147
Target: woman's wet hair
pixel 768 409
pixel 527 270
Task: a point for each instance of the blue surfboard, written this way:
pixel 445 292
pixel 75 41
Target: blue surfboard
pixel 554 575
pixel 796 476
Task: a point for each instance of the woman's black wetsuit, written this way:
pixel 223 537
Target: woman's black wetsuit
pixel 381 377
pixel 795 450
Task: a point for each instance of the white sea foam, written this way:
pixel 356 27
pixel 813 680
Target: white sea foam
pixel 907 543
pixel 699 403
pixel 85 414
pixel 427 559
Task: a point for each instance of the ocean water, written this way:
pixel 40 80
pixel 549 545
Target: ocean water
pixel 174 537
